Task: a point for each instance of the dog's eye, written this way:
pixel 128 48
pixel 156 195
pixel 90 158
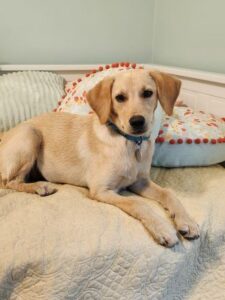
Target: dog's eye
pixel 120 98
pixel 147 94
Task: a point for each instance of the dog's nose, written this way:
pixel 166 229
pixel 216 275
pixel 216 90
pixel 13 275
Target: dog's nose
pixel 137 122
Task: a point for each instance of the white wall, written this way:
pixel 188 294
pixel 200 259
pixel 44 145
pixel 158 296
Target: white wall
pixel 75 31
pixel 190 34
pixel 184 33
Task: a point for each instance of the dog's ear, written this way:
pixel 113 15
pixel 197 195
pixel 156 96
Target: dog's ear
pixel 168 89
pixel 100 98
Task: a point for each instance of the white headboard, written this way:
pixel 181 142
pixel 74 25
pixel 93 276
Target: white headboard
pixel 200 90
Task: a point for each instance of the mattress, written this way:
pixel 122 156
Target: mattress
pixel 67 246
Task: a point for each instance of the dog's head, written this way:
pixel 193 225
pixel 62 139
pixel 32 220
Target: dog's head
pixel 130 98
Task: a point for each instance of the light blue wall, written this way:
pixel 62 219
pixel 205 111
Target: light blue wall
pixel 185 33
pixel 75 31
pixel 190 33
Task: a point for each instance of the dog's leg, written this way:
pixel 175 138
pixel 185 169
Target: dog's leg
pixel 18 153
pixel 184 223
pixel 136 207
pixel 40 188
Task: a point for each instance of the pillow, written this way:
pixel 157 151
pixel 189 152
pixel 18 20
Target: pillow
pixel 75 100
pixel 24 95
pixel 187 138
pixel 190 138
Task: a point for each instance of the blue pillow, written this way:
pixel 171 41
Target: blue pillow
pixel 190 138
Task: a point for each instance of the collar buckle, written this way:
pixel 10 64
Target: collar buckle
pixel 139 140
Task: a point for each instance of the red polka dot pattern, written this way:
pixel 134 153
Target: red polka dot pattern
pixel 160 140
pixel 197 141
pixel 190 127
pixel 163 132
pixel 213 141
pixel 74 88
pixel 172 142
pixel 189 141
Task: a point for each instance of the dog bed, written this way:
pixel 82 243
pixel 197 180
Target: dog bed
pixel 67 246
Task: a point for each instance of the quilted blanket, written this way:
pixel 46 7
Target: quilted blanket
pixel 67 246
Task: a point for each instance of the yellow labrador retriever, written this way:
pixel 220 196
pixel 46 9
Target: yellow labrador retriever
pixel 107 151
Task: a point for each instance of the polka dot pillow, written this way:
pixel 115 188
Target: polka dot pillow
pixel 187 138
pixel 190 138
pixel 75 99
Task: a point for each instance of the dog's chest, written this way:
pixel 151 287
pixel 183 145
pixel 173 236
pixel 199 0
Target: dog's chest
pixel 130 164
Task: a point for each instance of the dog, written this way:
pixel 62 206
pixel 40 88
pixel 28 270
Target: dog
pixel 107 151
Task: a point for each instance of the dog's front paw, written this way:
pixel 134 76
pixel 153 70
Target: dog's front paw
pixel 167 238
pixel 45 190
pixel 163 233
pixel 187 227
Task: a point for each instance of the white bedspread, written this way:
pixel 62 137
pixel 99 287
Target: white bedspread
pixel 67 246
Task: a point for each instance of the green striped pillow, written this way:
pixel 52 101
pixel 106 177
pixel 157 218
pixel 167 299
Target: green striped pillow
pixel 24 95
